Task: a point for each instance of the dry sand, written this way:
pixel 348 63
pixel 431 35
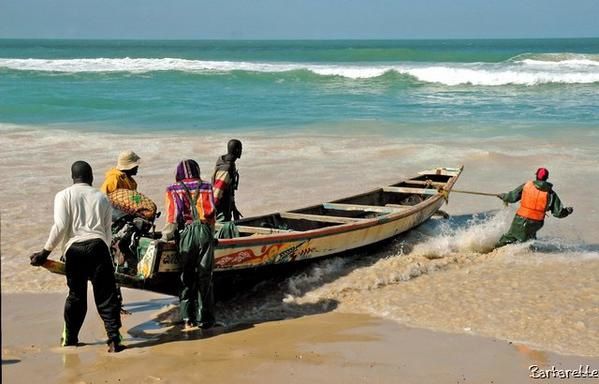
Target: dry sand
pixel 326 348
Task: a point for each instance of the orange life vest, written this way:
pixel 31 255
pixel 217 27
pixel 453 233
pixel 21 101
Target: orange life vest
pixel 533 203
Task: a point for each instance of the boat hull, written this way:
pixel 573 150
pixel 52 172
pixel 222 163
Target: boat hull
pixel 360 225
pixel 241 256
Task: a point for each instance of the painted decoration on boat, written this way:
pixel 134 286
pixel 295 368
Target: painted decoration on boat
pixel 268 254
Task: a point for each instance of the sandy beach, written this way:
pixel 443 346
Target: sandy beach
pixel 322 348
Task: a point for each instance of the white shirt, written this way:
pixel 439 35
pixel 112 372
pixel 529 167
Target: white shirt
pixel 81 213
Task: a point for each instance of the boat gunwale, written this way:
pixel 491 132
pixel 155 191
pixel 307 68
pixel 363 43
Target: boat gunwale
pixel 57 266
pixel 338 229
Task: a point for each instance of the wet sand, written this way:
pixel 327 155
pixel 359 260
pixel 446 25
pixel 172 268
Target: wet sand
pixel 330 347
pixel 546 300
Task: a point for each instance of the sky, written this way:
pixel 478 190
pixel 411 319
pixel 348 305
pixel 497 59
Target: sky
pixel 298 19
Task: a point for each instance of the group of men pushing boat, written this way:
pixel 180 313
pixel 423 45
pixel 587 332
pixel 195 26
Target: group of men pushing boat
pixel 83 226
pixel 82 222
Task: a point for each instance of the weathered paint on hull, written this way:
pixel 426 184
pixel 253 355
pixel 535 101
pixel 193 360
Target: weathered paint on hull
pixel 242 256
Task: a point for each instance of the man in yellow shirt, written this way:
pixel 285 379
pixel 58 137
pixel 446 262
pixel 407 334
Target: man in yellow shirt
pixel 120 177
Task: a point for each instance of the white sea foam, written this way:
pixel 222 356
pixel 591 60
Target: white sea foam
pixel 494 76
pixel 527 71
pixel 557 59
pixel 572 63
pixel 434 246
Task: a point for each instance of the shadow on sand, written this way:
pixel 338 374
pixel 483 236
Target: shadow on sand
pixel 10 361
pixel 257 296
pixel 261 295
pixel 166 328
pixel 247 299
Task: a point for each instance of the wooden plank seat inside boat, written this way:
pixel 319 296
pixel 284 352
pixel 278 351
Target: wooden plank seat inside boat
pixel 321 218
pixel 426 183
pixel 332 214
pixel 261 230
pixel 400 206
pixel 430 182
pixel 409 190
pixel 286 222
pixel 443 177
pixel 443 174
pixel 359 207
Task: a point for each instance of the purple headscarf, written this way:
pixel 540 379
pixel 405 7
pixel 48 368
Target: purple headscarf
pixel 187 169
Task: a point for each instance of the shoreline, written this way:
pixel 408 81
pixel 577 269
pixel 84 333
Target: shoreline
pixel 329 347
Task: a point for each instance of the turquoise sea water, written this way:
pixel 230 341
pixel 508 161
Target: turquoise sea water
pixel 455 87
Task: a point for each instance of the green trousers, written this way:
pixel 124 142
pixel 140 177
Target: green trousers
pixel 520 231
pixel 197 296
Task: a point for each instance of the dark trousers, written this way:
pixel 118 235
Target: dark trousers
pixel 90 260
pixel 520 231
pixel 197 296
pixel 224 209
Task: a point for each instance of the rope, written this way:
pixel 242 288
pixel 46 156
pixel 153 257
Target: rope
pixel 472 192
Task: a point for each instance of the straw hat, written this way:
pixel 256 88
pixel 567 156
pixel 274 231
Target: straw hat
pixel 127 160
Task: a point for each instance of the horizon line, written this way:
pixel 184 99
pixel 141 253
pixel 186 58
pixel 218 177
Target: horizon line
pixel 298 39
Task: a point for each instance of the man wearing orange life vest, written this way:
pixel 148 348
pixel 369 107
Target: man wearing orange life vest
pixel 536 197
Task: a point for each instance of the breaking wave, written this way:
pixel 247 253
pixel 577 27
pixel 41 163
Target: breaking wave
pixel 435 246
pixel 560 59
pixel 525 69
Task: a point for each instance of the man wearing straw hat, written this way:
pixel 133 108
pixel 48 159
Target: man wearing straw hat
pixel 120 177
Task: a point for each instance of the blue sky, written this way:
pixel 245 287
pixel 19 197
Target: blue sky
pixel 298 19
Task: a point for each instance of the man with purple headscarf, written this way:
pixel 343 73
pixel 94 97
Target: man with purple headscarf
pixel 190 219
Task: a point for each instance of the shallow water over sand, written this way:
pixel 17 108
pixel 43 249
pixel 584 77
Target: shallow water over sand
pixel 547 298
pixel 438 276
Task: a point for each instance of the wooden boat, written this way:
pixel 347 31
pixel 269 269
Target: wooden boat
pixel 301 234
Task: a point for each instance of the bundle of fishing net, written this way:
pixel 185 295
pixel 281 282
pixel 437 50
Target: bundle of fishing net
pixel 133 203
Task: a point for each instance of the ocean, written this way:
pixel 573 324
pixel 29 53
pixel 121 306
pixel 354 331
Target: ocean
pixel 320 120
pixel 192 86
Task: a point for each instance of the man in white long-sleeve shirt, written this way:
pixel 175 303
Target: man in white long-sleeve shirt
pixel 82 220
